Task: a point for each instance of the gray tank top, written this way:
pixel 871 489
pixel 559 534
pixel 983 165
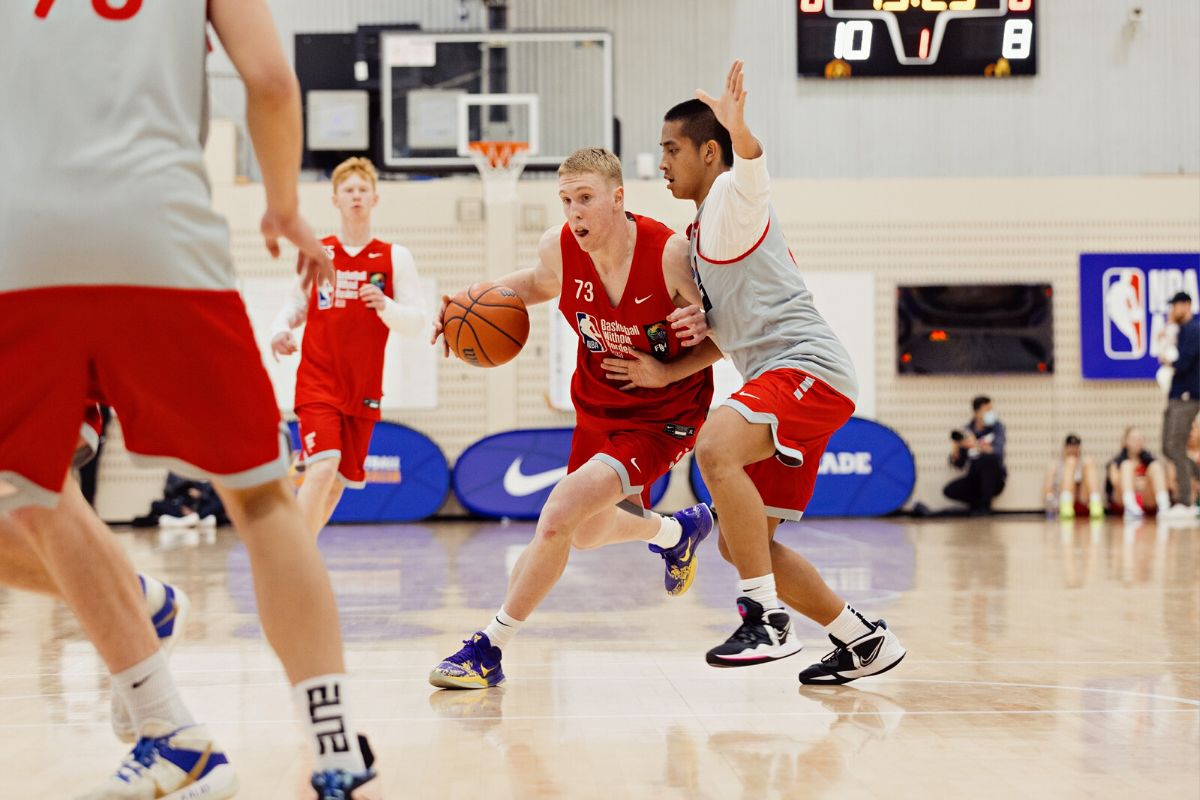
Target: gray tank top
pixel 100 147
pixel 761 313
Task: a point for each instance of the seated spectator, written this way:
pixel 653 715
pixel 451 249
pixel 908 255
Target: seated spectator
pixel 979 449
pixel 1137 482
pixel 1072 483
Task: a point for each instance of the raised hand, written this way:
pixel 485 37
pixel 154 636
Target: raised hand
pixel 730 107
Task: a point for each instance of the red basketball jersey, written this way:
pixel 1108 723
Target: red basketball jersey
pixel 638 322
pixel 341 360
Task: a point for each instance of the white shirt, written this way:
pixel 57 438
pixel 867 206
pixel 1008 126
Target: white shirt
pixel 736 210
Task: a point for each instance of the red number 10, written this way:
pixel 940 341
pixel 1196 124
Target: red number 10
pixel 104 8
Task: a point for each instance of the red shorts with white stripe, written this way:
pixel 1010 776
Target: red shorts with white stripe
pixel 638 456
pixel 803 412
pixel 180 368
pixel 327 433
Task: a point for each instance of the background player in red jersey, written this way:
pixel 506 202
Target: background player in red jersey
pixel 618 278
pixel 117 264
pixel 339 385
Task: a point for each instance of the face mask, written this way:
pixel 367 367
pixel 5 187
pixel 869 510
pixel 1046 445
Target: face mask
pixel 989 418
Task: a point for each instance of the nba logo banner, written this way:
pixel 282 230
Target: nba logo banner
pixel 1123 301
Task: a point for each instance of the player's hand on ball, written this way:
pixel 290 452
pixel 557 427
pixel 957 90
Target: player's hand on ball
pixel 283 344
pixel 370 294
pixel 689 324
pixel 641 371
pixel 438 328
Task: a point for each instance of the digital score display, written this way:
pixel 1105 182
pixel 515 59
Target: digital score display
pixel 882 38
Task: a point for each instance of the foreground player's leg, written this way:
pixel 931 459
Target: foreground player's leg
pixel 727 443
pixel 300 620
pixel 83 561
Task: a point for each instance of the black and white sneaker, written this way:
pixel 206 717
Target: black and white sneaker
pixel 869 654
pixel 762 637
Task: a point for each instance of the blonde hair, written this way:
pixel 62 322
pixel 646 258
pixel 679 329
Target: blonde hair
pixel 593 160
pixel 354 166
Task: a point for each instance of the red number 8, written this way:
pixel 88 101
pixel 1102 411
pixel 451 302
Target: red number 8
pixel 124 11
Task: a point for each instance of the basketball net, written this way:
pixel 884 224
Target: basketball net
pixel 500 165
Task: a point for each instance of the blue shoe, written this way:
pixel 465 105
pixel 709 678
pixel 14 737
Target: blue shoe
pixel 475 666
pixel 338 784
pixel 169 623
pixel 182 764
pixel 697 523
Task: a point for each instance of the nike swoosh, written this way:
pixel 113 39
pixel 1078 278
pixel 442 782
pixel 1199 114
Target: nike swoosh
pixel 747 394
pixel 374 255
pixel 639 300
pixel 518 484
pixel 484 671
pixel 635 464
pixel 870 659
pixel 688 553
pixel 138 684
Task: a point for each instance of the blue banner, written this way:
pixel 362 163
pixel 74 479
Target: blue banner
pixel 867 471
pixel 511 474
pixel 407 478
pixel 1123 301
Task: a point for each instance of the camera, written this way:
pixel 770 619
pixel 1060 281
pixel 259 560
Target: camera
pixel 956 436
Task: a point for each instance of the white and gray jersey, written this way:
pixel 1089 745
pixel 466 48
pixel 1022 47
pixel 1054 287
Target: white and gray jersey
pixel 101 147
pixel 761 314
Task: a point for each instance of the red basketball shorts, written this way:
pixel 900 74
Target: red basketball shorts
pixel 803 413
pixel 638 456
pixel 327 433
pixel 179 367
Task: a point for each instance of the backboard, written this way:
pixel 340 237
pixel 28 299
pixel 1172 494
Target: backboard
pixel 440 90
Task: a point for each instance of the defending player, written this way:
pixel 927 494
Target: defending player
pixel 115 265
pixel 339 384
pixel 617 277
pixel 759 451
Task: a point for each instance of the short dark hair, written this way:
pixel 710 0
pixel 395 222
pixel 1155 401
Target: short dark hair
pixel 980 401
pixel 1071 439
pixel 700 125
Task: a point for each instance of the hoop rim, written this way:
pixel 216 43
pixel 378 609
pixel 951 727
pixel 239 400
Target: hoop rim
pixel 498 153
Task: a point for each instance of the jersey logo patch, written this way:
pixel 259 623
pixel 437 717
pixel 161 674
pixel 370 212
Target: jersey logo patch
pixel 378 279
pixel 589 332
pixel 657 334
pixel 325 296
pixel 637 301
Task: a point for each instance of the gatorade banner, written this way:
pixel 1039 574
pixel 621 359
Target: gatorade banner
pixel 407 477
pixel 867 471
pixel 510 475
pixel 1123 310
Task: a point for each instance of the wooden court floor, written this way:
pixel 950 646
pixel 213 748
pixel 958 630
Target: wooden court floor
pixel 1045 660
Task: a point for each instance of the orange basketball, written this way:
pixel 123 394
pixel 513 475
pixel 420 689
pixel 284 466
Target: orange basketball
pixel 486 325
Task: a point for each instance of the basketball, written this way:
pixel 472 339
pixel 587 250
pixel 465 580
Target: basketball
pixel 486 325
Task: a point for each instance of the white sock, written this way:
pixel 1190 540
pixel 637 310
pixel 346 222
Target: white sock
pixel 502 628
pixel 1163 499
pixel 1066 497
pixel 323 708
pixel 149 692
pixel 1094 498
pixel 849 625
pixel 1129 500
pixel 155 593
pixel 760 590
pixel 669 533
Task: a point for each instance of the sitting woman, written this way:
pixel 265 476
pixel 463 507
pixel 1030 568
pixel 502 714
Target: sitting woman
pixel 1072 483
pixel 1131 473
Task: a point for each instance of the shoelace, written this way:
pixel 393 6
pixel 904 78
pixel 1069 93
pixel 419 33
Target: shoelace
pixel 467 653
pixel 140 759
pixel 746 632
pixel 332 784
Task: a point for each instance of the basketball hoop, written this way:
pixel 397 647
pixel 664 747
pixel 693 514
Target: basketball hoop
pixel 500 165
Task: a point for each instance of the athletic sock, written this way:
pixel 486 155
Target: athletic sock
pixel 1066 497
pixel 1094 499
pixel 1163 499
pixel 149 692
pixel 849 625
pixel 1129 500
pixel 669 533
pixel 324 713
pixel 760 590
pixel 502 628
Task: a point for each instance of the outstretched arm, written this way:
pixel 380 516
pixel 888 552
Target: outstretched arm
pixel 291 316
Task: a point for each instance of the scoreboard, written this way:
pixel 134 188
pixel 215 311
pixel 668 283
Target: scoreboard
pixel 881 38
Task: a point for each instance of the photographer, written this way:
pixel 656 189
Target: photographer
pixel 979 449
